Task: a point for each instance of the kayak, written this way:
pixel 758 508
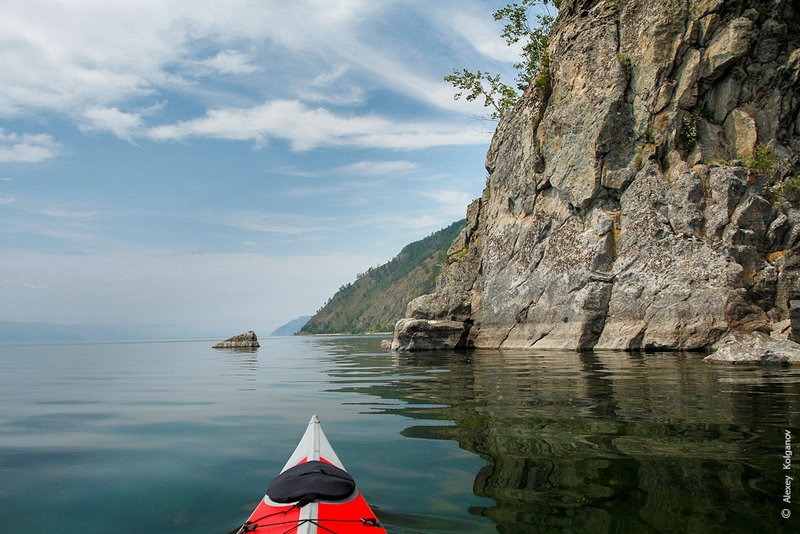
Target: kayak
pixel 313 494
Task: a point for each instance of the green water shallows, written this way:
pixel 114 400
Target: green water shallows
pixel 176 437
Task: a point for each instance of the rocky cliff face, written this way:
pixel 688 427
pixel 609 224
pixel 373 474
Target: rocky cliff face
pixel 645 198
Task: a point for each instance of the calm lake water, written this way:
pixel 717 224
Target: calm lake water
pixel 176 437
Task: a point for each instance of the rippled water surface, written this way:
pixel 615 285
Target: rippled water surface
pixel 176 437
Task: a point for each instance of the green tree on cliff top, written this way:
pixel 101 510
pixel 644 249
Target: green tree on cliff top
pixel 533 64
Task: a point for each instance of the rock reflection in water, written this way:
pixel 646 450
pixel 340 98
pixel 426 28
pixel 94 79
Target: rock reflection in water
pixel 607 442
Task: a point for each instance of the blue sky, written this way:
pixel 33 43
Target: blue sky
pixel 214 167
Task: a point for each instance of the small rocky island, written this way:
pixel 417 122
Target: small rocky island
pixel 643 196
pixel 248 340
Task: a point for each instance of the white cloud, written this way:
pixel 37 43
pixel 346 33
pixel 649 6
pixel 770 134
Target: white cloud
pixel 320 192
pixel 327 78
pixel 452 204
pixel 225 62
pixel 73 233
pixel 122 124
pixel 306 128
pixel 57 56
pixel 418 224
pixel 7 199
pixel 483 35
pixel 397 75
pixel 75 228
pixel 377 168
pixel 291 170
pixel 274 223
pixel 448 206
pixel 359 168
pixel 346 94
pixel 27 148
pixel 66 56
pixel 332 87
pixel 68 214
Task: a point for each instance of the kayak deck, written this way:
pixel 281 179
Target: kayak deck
pixel 308 513
pixel 342 518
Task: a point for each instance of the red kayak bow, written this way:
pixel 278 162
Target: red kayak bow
pixel 313 494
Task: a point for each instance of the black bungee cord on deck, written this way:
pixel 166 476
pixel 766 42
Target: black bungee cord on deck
pixel 252 526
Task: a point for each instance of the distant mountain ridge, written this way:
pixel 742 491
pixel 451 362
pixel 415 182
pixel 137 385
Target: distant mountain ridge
pixel 292 327
pixel 378 298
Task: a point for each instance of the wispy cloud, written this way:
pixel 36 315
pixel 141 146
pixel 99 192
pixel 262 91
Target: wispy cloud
pixel 7 199
pixel 56 60
pixel 68 214
pixel 273 223
pixel 448 206
pixel 326 79
pixel 56 57
pixel 68 233
pixel 417 225
pixel 59 222
pixel 359 168
pixel 333 87
pixel 482 34
pixel 122 124
pixel 377 168
pixel 27 148
pixel 306 128
pixel 362 184
pixel 224 62
pixel 450 203
pixel 295 171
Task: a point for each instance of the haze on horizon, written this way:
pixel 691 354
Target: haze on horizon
pixel 218 167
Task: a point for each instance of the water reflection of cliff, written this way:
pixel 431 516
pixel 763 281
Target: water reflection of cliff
pixel 607 443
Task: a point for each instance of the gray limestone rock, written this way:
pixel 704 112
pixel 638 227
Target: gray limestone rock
pixel 421 334
pixel 740 130
pixel 728 45
pixel 794 317
pixel 242 341
pixel 782 329
pixel 611 219
pixel 755 348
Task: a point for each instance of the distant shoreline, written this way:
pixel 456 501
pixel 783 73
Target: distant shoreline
pixel 340 334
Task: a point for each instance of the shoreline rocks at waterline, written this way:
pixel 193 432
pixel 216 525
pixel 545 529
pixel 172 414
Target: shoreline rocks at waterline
pixel 248 340
pixel 755 348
